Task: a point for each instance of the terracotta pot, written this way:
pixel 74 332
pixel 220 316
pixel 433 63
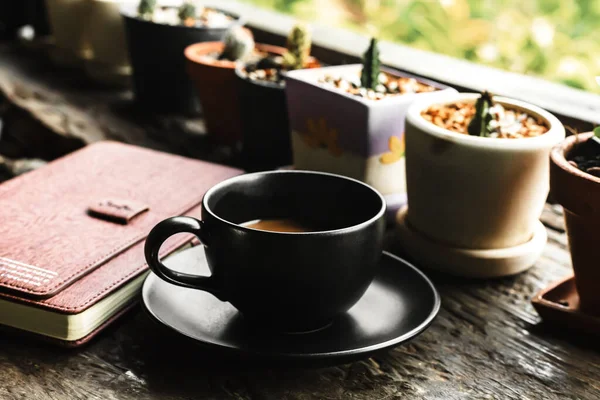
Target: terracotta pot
pixel 106 34
pixel 156 52
pixel 369 143
pixel 217 90
pixel 265 126
pixel 579 194
pixel 67 20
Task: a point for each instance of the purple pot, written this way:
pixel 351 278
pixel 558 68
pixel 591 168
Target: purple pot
pixel 337 132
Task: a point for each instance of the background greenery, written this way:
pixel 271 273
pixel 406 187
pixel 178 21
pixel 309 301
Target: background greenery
pixel 554 39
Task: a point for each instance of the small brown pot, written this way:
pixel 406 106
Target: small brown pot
pixel 579 194
pixel 217 89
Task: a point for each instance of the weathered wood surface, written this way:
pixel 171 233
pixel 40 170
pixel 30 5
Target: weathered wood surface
pixel 487 342
pixel 48 111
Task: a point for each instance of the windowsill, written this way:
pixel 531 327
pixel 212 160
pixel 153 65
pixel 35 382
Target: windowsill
pixel 463 75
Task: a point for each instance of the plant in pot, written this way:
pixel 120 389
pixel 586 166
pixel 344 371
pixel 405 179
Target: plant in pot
pixel 263 110
pixel 109 63
pixel 157 35
pixel 211 66
pixel 575 185
pixel 477 175
pixel 349 120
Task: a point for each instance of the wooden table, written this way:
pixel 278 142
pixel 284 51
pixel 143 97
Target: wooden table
pixel 486 343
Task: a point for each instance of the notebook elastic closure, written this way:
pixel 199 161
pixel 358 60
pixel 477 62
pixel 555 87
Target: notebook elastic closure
pixel 120 211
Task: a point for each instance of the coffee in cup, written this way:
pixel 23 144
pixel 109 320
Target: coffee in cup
pixel 290 250
pixel 279 225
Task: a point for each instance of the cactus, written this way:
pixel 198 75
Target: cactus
pixel 369 77
pixel 187 12
pixel 239 44
pixel 298 47
pixel 480 124
pixel 596 138
pixel 146 8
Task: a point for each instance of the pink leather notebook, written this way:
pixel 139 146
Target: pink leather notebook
pixel 72 234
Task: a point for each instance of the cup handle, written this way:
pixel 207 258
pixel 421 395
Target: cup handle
pixel 158 235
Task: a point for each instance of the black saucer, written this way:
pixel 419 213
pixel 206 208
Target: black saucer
pixel 400 304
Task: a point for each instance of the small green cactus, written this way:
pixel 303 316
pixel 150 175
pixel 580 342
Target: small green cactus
pixel 369 77
pixel 146 8
pixel 239 44
pixel 298 47
pixel 596 137
pixel 187 11
pixel 480 124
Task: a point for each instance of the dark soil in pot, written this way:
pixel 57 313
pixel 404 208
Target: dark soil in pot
pixel 586 157
pixel 156 50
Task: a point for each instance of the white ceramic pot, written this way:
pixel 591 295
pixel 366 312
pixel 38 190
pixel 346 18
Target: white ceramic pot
pixel 106 34
pixel 67 20
pixel 473 192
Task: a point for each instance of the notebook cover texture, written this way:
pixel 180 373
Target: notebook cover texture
pixel 73 231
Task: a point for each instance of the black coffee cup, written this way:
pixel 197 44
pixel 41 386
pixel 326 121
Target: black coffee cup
pixel 287 281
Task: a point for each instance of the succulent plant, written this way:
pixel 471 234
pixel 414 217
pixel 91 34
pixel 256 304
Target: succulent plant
pixel 596 137
pixel 239 44
pixel 146 8
pixel 298 47
pixel 480 124
pixel 187 12
pixel 369 77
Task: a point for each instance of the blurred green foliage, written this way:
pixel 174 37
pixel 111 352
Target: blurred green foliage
pixel 554 39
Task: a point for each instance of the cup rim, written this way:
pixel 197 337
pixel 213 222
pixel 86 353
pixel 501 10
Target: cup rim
pixel 380 213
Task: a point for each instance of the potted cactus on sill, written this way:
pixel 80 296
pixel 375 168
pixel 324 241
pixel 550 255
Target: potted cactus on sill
pixel 477 180
pixel 349 120
pixel 575 184
pixel 265 125
pixel 211 66
pixel 157 36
